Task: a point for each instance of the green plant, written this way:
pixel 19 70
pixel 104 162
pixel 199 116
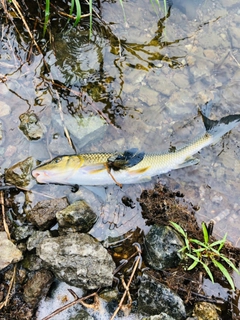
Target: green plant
pixel 74 3
pixel 206 253
pixel 160 6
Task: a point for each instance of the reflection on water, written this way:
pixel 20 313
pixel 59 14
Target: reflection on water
pixel 145 80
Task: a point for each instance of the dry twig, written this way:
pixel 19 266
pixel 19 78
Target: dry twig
pixel 4 216
pixel 126 292
pixel 76 301
pixel 8 296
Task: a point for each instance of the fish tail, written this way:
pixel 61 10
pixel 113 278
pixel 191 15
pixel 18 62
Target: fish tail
pixel 216 129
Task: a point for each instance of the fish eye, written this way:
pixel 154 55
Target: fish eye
pixel 57 160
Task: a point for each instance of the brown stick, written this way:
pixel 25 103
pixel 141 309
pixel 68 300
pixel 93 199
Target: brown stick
pixel 5 302
pixel 77 300
pixel 128 284
pixel 4 216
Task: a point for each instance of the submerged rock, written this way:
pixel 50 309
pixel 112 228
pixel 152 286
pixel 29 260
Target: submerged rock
pixel 77 217
pixel 84 129
pixel 43 215
pixel 31 127
pixel 1 132
pixel 155 298
pixel 161 247
pixel 20 174
pixel 5 109
pixel 9 253
pixel 37 287
pixel 78 259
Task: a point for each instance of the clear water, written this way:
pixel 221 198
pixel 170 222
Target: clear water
pixel 146 77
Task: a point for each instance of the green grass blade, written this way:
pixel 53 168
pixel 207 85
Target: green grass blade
pixel 47 14
pixel 193 265
pixel 222 244
pixel 165 7
pixel 90 11
pixel 193 257
pixel 199 250
pixel 224 272
pixel 200 243
pixel 78 12
pixel 124 15
pixel 178 228
pixel 72 7
pixel 208 271
pixel 205 233
pixel 216 243
pixel 229 262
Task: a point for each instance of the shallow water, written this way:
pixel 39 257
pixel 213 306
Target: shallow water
pixel 146 77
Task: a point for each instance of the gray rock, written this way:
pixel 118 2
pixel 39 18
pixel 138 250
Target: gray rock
pixel 82 315
pixel 31 127
pixel 155 298
pixel 36 238
pixel 77 217
pixel 32 262
pixel 37 287
pixel 161 247
pixel 161 316
pixel 9 252
pixel 20 173
pixel 78 259
pixel 43 215
pixel 22 232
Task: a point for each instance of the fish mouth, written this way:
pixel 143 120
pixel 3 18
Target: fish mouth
pixel 39 176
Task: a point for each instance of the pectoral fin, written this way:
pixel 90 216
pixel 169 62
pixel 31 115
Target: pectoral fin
pixel 188 162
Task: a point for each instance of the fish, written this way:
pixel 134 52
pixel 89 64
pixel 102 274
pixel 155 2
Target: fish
pixel 131 166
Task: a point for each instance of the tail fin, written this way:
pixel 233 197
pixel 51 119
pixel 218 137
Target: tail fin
pixel 218 128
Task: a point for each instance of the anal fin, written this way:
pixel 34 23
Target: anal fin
pixel 189 162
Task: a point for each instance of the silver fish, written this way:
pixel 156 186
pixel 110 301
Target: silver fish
pixel 130 166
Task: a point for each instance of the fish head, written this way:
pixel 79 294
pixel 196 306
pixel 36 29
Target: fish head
pixel 58 170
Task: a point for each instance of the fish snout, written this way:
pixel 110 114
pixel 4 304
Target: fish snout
pixel 39 176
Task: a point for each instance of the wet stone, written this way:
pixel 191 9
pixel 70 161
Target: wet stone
pixel 32 262
pixel 73 258
pixel 36 238
pixel 31 127
pixel 205 311
pixel 43 215
pixel 22 232
pixel 9 252
pixel 161 316
pixel 1 132
pixel 5 109
pixel 84 130
pixel 20 173
pixel 82 315
pixel 155 298
pixel 77 217
pixel 37 287
pixel 161 247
